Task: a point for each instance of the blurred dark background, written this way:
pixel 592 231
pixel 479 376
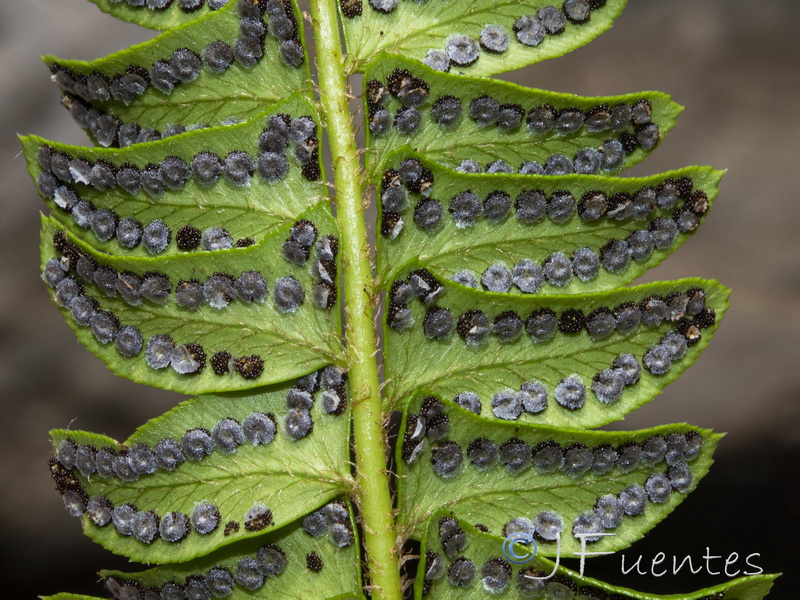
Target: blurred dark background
pixel 732 63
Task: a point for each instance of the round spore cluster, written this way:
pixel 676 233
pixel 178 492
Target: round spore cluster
pixel 689 312
pixel 297 247
pixel 284 136
pixel 333 521
pixel 421 284
pixel 397 190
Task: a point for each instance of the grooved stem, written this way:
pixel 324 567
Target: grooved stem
pixel 370 444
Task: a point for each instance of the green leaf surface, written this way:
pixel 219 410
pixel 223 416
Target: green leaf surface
pixel 414 29
pixel 339 578
pixel 447 367
pixel 250 211
pixel 67 596
pixel 289 343
pixel 454 247
pixel 484 547
pixel 466 139
pixel 494 495
pixel 161 19
pixel 236 94
pixel 291 477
